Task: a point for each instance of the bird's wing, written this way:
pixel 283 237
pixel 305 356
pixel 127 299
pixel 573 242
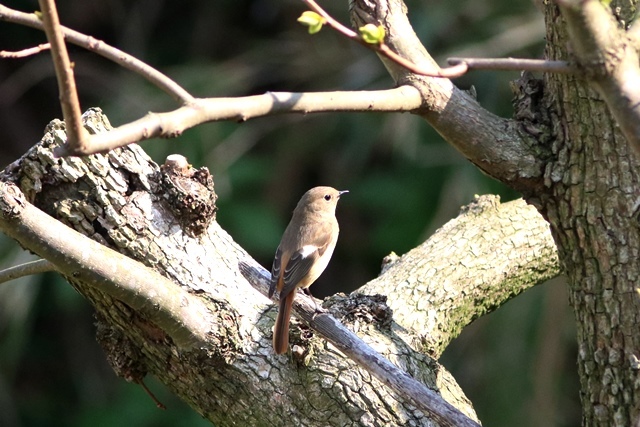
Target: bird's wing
pixel 298 267
pixel 316 240
pixel 275 271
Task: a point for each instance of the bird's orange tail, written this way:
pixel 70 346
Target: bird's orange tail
pixel 281 330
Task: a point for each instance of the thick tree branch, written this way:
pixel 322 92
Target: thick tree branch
pixel 64 74
pixel 493 252
pixel 122 200
pixel 498 146
pixel 207 264
pixel 366 357
pixel 609 59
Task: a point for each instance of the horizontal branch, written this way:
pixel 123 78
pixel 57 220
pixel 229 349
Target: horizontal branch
pixel 514 64
pixel 173 123
pixel 197 111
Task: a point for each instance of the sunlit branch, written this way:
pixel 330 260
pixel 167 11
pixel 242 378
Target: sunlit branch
pixel 171 124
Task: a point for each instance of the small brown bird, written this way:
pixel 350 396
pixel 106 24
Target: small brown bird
pixel 304 252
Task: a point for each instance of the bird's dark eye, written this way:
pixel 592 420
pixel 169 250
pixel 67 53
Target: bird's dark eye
pixel 327 197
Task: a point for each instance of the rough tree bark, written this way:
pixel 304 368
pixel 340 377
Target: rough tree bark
pixel 592 201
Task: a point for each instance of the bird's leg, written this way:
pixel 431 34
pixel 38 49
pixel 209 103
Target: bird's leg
pixel 308 292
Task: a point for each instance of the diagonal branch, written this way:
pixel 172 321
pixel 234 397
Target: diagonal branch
pixel 365 356
pixel 500 147
pixel 431 71
pixel 101 48
pixel 512 238
pixel 25 52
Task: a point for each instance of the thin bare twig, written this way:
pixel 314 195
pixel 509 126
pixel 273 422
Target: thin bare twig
pixel 27 269
pixel 127 61
pixel 514 64
pixel 153 397
pixel 25 52
pixel 383 49
pixel 76 134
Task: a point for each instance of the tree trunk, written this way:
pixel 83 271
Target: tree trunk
pixel 592 202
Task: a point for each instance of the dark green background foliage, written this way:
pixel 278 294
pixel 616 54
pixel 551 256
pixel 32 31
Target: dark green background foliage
pixel 517 365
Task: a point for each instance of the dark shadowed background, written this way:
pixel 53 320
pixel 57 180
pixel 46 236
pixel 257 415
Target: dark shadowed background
pixel 517 365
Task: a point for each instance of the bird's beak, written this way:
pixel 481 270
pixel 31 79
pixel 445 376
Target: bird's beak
pixel 340 193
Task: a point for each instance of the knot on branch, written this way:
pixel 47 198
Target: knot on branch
pixel 529 110
pixel 189 193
